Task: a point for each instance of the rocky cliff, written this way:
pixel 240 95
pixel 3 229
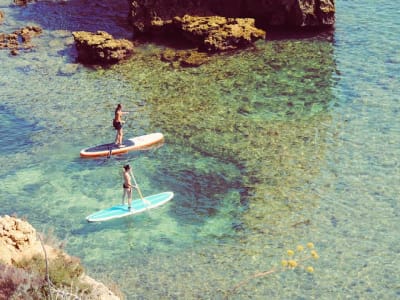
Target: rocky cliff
pixel 19 244
pixel 283 13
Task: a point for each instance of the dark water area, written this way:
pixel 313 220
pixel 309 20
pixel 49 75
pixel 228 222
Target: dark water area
pixel 75 15
pixel 14 133
pixel 295 140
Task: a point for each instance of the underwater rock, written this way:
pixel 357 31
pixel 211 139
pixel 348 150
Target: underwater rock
pixel 144 15
pixel 1 16
pixel 101 48
pixel 22 2
pixel 68 69
pixel 194 59
pixel 184 58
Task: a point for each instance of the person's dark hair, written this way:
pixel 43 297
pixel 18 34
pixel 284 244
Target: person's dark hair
pixel 127 167
pixel 119 106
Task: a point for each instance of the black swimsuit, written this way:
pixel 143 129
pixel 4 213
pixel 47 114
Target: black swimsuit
pixel 117 125
pixel 125 186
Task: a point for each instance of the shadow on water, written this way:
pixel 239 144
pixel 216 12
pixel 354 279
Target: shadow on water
pixel 280 33
pixel 88 228
pixel 92 163
pixel 15 132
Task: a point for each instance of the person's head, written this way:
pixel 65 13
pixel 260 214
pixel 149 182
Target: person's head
pixel 119 107
pixel 127 168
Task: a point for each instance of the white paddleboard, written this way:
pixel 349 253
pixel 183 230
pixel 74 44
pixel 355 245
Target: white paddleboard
pixel 137 143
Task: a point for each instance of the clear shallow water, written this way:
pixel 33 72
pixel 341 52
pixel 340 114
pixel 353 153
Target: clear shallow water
pixel 295 141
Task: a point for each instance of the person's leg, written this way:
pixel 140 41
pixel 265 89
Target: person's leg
pixel 117 137
pixel 121 134
pixel 123 196
pixel 129 198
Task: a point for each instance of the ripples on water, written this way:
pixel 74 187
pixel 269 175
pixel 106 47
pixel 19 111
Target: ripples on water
pixel 290 142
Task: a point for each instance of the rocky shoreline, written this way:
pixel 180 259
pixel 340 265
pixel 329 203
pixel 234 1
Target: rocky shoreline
pixel 278 13
pixel 209 26
pixel 20 244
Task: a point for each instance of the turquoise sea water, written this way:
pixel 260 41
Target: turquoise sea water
pixel 291 142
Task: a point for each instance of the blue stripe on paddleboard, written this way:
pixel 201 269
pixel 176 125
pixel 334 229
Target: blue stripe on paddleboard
pixel 138 206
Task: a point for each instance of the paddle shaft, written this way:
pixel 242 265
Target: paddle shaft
pixel 136 185
pixel 138 188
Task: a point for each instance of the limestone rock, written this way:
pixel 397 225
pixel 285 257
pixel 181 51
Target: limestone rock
pixel 285 13
pixel 219 33
pixel 18 241
pixel 12 40
pixel 101 48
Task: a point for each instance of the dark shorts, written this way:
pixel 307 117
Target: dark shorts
pixel 117 125
pixel 125 186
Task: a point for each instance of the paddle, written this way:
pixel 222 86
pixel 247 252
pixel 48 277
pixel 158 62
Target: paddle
pixel 138 189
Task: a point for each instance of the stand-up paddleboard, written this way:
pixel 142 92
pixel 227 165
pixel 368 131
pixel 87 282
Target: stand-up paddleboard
pixel 137 143
pixel 138 206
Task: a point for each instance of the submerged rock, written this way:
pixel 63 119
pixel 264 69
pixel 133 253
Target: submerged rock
pixel 101 48
pixel 68 69
pixel 184 58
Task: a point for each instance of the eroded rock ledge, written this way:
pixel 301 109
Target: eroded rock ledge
pixel 101 48
pixel 19 241
pixel 283 13
pixel 19 39
pixel 214 33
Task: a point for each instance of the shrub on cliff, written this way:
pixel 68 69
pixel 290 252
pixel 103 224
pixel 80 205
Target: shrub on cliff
pixel 18 283
pixel 62 271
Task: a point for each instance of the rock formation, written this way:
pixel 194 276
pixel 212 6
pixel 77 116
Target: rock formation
pixel 220 25
pixel 287 13
pixel 18 241
pixel 101 48
pixel 215 34
pixel 12 40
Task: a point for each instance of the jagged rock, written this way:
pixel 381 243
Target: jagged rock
pixel 1 16
pixel 288 13
pixel 219 33
pixel 101 48
pixel 25 34
pixel 18 241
